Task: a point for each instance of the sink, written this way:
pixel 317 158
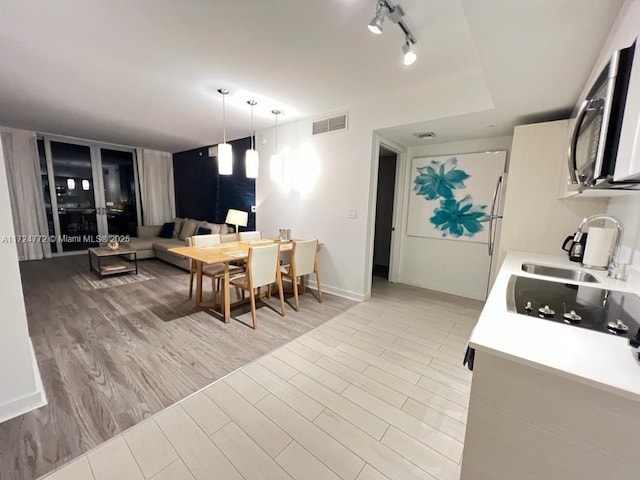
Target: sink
pixel 557 272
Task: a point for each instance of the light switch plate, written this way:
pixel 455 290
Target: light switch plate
pixel 352 213
pixel 213 151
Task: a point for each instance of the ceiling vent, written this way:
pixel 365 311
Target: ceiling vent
pixel 425 135
pixel 327 125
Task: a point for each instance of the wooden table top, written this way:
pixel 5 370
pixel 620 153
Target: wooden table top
pixel 225 252
pixel 107 252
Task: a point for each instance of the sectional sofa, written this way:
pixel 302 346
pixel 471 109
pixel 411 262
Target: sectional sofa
pixel 149 244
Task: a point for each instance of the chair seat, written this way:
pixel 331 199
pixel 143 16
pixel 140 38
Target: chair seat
pixel 239 280
pixel 217 269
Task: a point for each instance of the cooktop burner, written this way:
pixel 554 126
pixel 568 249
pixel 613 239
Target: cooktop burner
pixel 607 311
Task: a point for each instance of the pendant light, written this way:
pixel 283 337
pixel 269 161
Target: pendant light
pixel 275 164
pixel 225 154
pixel 251 158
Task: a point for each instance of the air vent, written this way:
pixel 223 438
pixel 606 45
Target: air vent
pixel 332 124
pixel 425 134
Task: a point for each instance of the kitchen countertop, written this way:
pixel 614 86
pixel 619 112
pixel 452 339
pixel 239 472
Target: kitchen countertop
pixel 604 361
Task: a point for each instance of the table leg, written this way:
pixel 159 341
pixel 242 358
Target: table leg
pixel 226 294
pixel 199 283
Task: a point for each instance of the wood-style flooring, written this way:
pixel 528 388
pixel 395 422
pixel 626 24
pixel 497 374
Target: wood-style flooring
pixel 111 357
pixel 376 393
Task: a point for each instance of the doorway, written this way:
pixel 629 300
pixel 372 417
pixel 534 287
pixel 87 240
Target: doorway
pixel 89 192
pixel 384 212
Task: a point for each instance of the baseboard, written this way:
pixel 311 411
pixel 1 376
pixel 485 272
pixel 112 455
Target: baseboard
pixel 22 405
pixel 340 292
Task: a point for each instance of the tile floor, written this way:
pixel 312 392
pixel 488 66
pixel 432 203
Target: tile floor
pixel 378 392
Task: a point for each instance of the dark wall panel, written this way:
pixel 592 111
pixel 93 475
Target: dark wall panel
pixel 196 184
pixel 203 194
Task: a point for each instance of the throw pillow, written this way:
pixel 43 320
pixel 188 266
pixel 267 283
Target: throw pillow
pixel 224 229
pixel 188 229
pixel 203 231
pixel 214 227
pixel 167 230
pixel 178 226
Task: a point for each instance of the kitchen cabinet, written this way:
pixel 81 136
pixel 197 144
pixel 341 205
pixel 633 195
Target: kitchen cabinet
pixel 535 219
pixel 528 423
pixel 550 400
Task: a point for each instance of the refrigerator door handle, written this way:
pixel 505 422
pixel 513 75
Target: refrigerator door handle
pixel 493 216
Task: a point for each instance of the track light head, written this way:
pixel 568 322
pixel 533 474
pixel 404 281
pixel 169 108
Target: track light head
pixel 375 26
pixel 409 55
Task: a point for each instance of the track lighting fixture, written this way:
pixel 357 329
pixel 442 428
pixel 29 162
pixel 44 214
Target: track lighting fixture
pixel 375 26
pixel 225 153
pixel 395 14
pixel 251 159
pixel 409 55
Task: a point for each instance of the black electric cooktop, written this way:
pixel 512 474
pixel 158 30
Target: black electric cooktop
pixel 607 311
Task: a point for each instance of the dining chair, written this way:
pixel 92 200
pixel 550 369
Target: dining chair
pixel 214 271
pixel 304 261
pixel 250 236
pixel 262 270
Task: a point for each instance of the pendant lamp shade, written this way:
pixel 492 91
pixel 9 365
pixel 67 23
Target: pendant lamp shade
pixel 252 163
pixel 225 159
pixel 251 158
pixel 225 154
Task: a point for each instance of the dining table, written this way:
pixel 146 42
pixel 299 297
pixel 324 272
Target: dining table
pixel 223 253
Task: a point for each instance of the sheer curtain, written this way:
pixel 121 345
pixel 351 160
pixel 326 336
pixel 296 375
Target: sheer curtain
pixel 155 175
pixel 25 192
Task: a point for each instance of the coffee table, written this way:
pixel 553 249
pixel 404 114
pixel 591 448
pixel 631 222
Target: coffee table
pixel 105 261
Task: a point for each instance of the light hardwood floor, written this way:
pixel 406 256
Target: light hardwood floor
pixel 112 357
pixel 378 392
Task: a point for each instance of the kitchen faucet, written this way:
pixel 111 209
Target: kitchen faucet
pixel 613 269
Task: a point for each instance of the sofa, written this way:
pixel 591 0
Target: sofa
pixel 149 244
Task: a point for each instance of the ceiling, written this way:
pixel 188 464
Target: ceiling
pixel 536 57
pixel 145 73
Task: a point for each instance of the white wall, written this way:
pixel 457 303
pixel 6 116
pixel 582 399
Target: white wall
pixel 20 384
pixel 345 178
pixel 626 208
pixel 427 262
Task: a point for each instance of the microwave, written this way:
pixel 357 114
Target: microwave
pixel 593 146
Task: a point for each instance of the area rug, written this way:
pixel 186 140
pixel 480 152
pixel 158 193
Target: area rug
pixel 90 281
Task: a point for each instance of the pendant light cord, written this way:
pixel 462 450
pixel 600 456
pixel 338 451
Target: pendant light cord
pixel 253 132
pixel 276 114
pixel 224 121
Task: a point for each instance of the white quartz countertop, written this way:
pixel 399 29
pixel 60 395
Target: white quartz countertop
pixel 598 359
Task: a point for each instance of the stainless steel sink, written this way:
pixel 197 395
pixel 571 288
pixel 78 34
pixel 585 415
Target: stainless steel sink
pixel 564 273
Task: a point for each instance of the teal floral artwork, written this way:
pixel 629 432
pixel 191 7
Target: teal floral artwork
pixel 458 218
pixel 450 196
pixel 439 179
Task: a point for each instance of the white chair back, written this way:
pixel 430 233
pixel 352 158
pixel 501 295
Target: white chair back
pixel 263 264
pixel 208 240
pixel 228 237
pixel 250 236
pixel 305 256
